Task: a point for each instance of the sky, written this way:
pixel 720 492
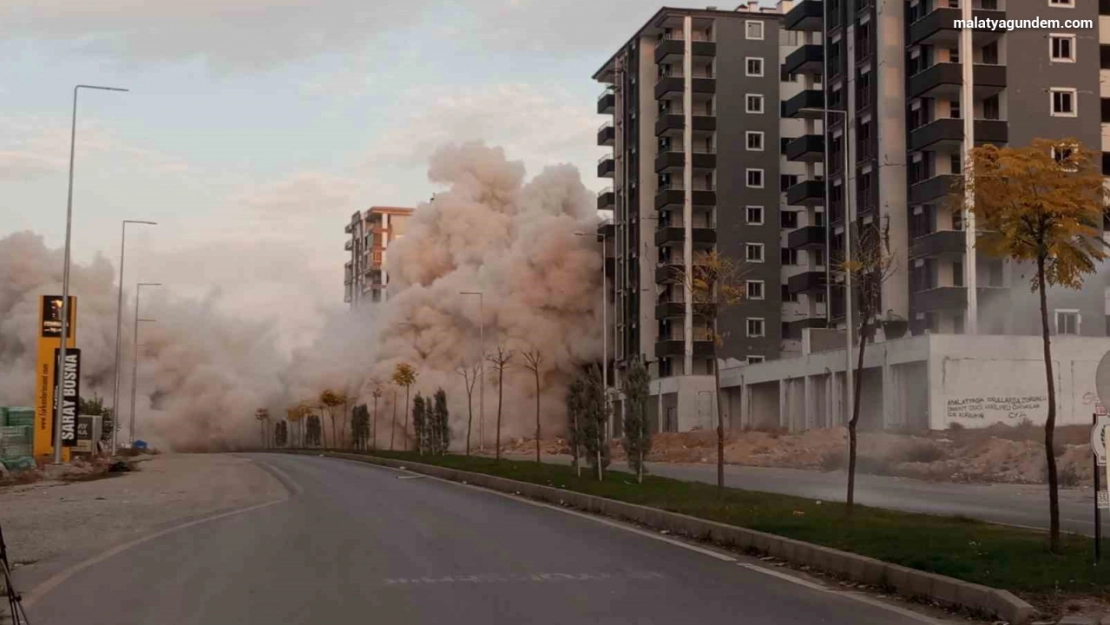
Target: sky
pixel 254 128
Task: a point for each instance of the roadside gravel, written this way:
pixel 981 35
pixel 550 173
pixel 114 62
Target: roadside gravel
pixel 49 520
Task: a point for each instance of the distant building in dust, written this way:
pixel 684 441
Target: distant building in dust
pixel 371 233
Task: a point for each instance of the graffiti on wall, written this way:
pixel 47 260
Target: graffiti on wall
pixel 990 409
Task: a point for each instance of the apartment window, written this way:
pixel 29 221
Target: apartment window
pixel 755 215
pixel 991 108
pixel 1064 4
pixel 954 109
pixel 957 273
pixel 755 360
pixel 787 296
pixel 1062 48
pixel 754 103
pixel 954 163
pixel 753 29
pixel 1067 322
pixel 788 257
pixel 818 257
pixel 954 55
pixel 787 180
pixel 755 178
pixel 755 289
pixel 819 297
pixel 754 140
pixel 753 252
pixel 789 219
pixel 755 327
pixel 754 66
pixel 1063 102
pixel 990 54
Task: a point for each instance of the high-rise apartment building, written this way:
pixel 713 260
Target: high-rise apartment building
pixel 699 163
pixel 907 93
pixel 371 232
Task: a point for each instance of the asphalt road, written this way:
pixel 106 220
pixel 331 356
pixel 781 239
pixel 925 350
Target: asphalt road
pixel 361 544
pixel 1012 504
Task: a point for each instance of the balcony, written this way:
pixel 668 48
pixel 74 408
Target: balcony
pixel 349 244
pixel 606 199
pixel 675 124
pixel 673 87
pixel 806 59
pixel 671 50
pixel 940 243
pixel 672 161
pixel 669 349
pixel 606 166
pixel 670 310
pixel 673 199
pixel 945 80
pixel 934 189
pixel 950 133
pixel 806 238
pixel 669 273
pixel 606 103
pixel 674 235
pixel 806 15
pixel 939 298
pixel 936 28
pixel 794 328
pixel 806 193
pixel 607 134
pixel 806 282
pixel 807 104
pixel 806 149
pixel 348 228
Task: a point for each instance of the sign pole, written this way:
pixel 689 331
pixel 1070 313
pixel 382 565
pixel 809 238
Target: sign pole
pixel 1098 490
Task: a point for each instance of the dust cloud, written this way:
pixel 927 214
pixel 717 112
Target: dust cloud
pixel 211 360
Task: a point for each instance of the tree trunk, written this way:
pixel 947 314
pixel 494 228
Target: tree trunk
pixel 855 418
pixel 600 441
pixel 334 432
pixel 393 428
pixel 374 428
pixel 405 430
pixel 1050 422
pixel 500 387
pixel 537 415
pixel 720 425
pixel 469 418
pixel 576 446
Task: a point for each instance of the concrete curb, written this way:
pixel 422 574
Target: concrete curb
pixel 907 582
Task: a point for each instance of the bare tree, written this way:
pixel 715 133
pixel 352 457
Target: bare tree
pixel 533 359
pixel 500 361
pixel 376 393
pixel 470 376
pixel 871 265
pixel 714 284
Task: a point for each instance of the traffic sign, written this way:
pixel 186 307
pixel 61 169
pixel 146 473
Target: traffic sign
pixel 1103 500
pixel 1099 434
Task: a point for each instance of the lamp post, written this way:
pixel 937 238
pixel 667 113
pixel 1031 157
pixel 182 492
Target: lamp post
pixel 119 329
pixel 604 321
pixel 481 367
pixel 65 266
pixel 135 356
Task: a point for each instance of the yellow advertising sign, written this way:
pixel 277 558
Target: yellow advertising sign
pixel 50 339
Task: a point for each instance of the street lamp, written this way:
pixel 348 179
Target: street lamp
pixel 65 267
pixel 119 328
pixel 481 366
pixel 135 356
pixel 604 320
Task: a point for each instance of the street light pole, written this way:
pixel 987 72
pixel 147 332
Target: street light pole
pixel 604 318
pixel 119 329
pixel 481 367
pixel 65 267
pixel 135 356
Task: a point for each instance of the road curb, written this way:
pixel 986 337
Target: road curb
pixel 906 582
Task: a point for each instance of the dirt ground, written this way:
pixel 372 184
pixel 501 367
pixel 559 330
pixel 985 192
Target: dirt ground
pixel 1000 453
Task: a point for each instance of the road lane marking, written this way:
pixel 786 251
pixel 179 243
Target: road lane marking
pixel 36 593
pixel 784 576
pixel 289 483
pixel 508 578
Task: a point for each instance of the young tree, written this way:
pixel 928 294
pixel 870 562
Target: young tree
pixel 420 422
pixel 533 359
pixel 442 422
pixel 1042 204
pixel 575 406
pixel 329 401
pixel 871 265
pixel 376 393
pixel 347 414
pixel 714 284
pixel 637 437
pixel 393 428
pixel 595 414
pixel 500 361
pixel 405 375
pixel 313 430
pixel 296 414
pixel 281 434
pixel 360 426
pixel 470 376
pixel 263 417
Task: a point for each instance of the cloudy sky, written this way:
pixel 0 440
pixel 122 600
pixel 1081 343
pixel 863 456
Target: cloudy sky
pixel 260 125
